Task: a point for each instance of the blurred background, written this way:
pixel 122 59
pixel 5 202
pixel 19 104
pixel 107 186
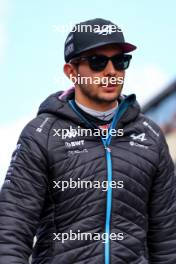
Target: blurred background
pixel 32 35
pixel 162 109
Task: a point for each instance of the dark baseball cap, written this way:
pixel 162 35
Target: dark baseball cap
pixel 92 34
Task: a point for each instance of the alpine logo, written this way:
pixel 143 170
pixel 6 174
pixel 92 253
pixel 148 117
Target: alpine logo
pixel 140 137
pixel 106 30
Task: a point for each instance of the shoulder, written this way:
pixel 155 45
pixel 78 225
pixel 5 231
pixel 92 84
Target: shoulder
pixel 152 129
pixel 39 126
pixel 36 131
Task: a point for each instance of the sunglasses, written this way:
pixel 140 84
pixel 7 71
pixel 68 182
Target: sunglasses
pixel 99 62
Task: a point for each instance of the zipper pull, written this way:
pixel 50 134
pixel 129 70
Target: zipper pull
pixel 108 149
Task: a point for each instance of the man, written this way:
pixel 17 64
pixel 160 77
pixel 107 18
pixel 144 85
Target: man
pixel 90 197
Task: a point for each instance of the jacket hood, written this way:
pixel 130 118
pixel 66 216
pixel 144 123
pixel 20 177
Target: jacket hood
pixel 57 104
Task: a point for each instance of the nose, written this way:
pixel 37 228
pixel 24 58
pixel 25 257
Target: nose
pixel 109 69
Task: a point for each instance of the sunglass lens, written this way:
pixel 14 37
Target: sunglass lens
pixel 98 63
pixel 121 62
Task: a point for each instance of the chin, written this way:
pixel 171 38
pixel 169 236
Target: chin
pixel 110 96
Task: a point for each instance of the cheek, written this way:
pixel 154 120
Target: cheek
pixel 121 74
pixel 93 78
pixel 84 71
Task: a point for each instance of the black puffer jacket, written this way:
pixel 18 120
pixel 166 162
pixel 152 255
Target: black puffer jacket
pixel 139 208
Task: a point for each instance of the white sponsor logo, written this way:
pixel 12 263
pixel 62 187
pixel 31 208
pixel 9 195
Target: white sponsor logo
pixel 39 129
pixel 65 133
pixel 145 123
pixel 69 38
pixel 14 156
pixel 77 151
pixel 140 137
pixel 74 143
pixel 71 146
pixel 69 49
pixel 106 30
pixel 71 134
pixel 7 181
pixel 135 144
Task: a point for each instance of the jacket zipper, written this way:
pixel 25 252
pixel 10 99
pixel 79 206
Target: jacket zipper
pixel 108 205
pixel 106 142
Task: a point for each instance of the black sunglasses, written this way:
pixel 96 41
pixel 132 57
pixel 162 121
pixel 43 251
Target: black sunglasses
pixel 98 62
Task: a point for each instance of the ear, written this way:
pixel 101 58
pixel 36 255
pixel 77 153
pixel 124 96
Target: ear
pixel 70 70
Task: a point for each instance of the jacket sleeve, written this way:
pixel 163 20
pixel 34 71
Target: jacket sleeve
pixel 22 197
pixel 162 211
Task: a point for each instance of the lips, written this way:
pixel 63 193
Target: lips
pixel 111 85
pixel 109 88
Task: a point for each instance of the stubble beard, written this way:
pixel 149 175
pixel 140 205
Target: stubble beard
pixel 86 91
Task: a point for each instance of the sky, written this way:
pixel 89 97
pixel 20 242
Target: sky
pixel 31 53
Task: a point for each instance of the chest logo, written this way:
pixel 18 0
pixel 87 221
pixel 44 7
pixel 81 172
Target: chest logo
pixel 140 137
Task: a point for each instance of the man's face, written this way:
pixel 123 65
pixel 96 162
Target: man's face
pixel 99 94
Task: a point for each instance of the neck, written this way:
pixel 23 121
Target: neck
pixel 102 115
pixel 98 106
